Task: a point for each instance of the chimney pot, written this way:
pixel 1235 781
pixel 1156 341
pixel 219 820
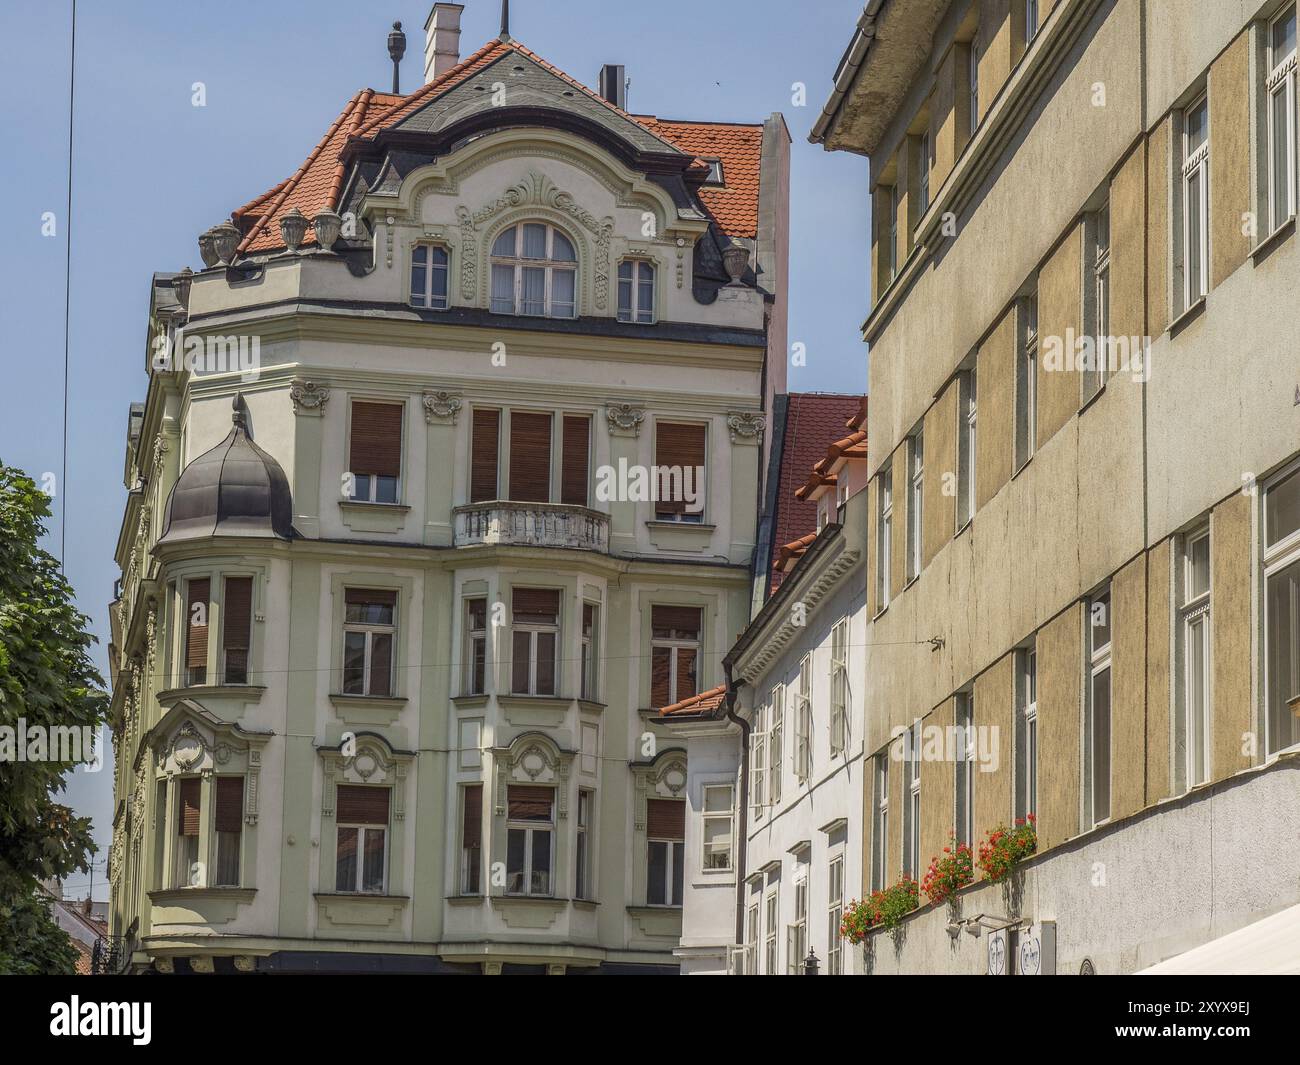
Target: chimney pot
pixel 613 85
pixel 441 40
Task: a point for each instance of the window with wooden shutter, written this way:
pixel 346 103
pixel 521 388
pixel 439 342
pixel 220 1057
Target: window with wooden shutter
pixel 236 629
pixel 679 471
pixel 369 628
pixel 187 871
pixel 375 455
pixel 196 631
pixel 665 819
pixel 228 823
pixel 530 457
pixel 535 618
pixel 189 806
pixel 575 461
pixel 527 802
pixel 484 452
pixel 362 805
pixel 471 839
pixel 674 650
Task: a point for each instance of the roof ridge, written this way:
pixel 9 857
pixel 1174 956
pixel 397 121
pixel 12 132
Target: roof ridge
pixel 292 181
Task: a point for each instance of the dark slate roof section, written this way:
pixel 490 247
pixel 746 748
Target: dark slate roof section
pixel 235 489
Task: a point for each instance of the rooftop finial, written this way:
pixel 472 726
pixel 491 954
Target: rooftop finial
pixel 505 20
pixel 238 416
pixel 396 49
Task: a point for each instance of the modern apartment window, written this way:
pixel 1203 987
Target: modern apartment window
pixel 188 872
pixel 666 835
pixel 884 536
pixel 1192 727
pixel 775 747
pixel 534 272
pixel 1097 725
pixel 834 916
pixel 964 769
pixel 369 630
pixel 839 686
pixel 471 839
pixel 915 503
pixel 803 721
pixel 967 405
pixel 535 633
pixel 880 821
pixel 975 83
pixel 674 653
pixel 759 760
pixel 680 451
pixel 636 291
pixel 1282 117
pixel 361 852
pixel 770 911
pixel 530 839
pixel 1026 732
pixel 1031 20
pixel 375 451
pixel 796 936
pixel 1282 611
pixel 197 594
pixel 1027 381
pixel 429 277
pixel 924 194
pixel 912 811
pixel 717 822
pixel 228 824
pixel 589 657
pixel 1095 377
pixel 582 872
pixel 475 678
pixel 1196 201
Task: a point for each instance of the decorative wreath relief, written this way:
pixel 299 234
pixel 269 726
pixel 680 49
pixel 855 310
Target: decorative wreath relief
pixel 1004 848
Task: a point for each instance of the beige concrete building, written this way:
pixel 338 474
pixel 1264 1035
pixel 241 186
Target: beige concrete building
pixel 1106 551
pixel 446 479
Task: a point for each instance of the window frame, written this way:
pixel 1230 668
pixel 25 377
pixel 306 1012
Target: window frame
pixel 835 913
pixel 371 480
pixel 973 83
pixel 1032 24
pixel 588 657
pixel 1098 662
pixel 880 821
pixel 884 536
pixel 535 630
pixel 636 314
pixel 583 886
pixel 530 829
pixel 964 769
pixel 674 868
pixel 518 263
pixel 774 739
pixel 707 816
pixel 1025 797
pixel 1278 558
pixel 474 640
pixel 1196 165
pixel 915 503
pixel 362 832
pixel 430 268
pixel 1193 611
pixel 839 680
pixel 1092 382
pixel 771 922
pixel 967 440
pixel 1281 79
pixel 674 645
pixel 912 811
pixel 803 755
pixel 796 933
pixel 370 630
pixel 1026 443
pixel 467 865
pixel 923 185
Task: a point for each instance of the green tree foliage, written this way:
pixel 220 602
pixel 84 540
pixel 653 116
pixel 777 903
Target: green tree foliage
pixel 31 944
pixel 47 680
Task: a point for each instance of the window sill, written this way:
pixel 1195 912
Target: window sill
pixel 470 702
pixel 591 706
pixel 1022 467
pixel 368 709
pixel 1186 318
pixel 963 527
pixel 249 693
pixel 1273 241
pixel 881 612
pixel 534 711
pixel 680 535
pixel 1092 399
pixel 373 517
pixel 355 910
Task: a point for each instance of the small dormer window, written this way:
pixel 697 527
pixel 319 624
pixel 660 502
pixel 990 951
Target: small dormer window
pixel 716 176
pixel 534 272
pixel 636 291
pixel 429 277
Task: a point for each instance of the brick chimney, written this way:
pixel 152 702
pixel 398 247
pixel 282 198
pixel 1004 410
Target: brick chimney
pixel 441 39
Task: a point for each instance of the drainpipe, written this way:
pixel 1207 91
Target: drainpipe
pixel 742 822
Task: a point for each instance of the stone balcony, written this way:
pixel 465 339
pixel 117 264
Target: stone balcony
pixel 531 525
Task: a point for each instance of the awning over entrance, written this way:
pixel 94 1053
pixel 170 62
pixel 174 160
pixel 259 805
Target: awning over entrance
pixel 1270 947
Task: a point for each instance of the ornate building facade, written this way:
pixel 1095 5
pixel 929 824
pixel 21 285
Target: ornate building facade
pixel 446 480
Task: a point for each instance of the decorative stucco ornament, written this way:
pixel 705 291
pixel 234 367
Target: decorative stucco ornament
pixel 225 242
pixel 293 228
pixel 207 252
pixel 307 395
pixel 328 225
pixel 735 260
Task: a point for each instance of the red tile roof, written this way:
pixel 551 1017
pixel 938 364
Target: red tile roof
pixel 702 705
pixel 316 184
pixel 853 446
pixel 813 421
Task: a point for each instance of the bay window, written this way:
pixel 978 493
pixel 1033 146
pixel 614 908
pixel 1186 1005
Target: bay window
pixel 530 839
pixel 187 871
pixel 228 823
pixel 361 851
pixel 665 835
pixel 535 620
pixel 236 629
pixel 196 630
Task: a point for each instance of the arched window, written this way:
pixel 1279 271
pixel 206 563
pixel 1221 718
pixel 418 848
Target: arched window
pixel 636 291
pixel 429 277
pixel 534 271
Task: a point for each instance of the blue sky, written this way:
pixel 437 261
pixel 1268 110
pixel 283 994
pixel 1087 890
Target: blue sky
pixel 152 171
